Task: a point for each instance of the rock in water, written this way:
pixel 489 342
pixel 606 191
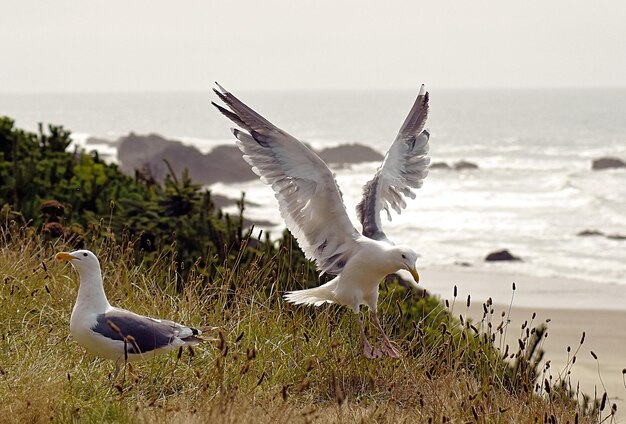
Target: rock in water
pixel 607 163
pixel 439 165
pixel 501 255
pixel 465 165
pixel 458 166
pixel 588 233
pixel 351 153
pixel 136 151
pixel 222 164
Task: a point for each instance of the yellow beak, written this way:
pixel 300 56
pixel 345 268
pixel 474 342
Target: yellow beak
pixel 415 275
pixel 64 256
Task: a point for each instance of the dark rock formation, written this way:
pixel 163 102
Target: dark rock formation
pixel 349 153
pixel 589 233
pixel 607 163
pixel 465 165
pixel 501 255
pixel 222 164
pixel 458 166
pixel 439 165
pixel 147 153
pixel 137 151
pixel 596 233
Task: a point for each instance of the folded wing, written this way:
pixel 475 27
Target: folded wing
pixel 147 334
pixel 309 200
pixel 404 168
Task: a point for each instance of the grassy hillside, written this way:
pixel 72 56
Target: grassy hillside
pixel 271 363
pixel 166 251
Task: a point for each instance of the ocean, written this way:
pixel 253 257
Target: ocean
pixel 533 192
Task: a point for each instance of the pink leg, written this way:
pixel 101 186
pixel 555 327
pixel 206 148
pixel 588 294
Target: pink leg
pixel 388 347
pixel 369 351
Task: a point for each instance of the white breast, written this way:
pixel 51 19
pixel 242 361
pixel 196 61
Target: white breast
pixel 360 278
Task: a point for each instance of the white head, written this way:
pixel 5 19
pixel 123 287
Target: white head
pixel 83 261
pixel 405 258
pixel 91 296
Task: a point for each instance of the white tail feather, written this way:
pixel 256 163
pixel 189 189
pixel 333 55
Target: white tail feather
pixel 316 296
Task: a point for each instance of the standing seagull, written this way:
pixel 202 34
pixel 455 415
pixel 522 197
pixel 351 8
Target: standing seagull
pixel 115 333
pixel 311 205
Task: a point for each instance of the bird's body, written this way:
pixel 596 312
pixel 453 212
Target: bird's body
pixel 115 333
pixel 311 205
pixel 103 334
pixel 358 282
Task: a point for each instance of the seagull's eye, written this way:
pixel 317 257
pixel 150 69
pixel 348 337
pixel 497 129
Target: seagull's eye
pixel 85 255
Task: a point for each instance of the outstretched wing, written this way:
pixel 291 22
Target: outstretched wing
pixel 309 200
pixel 405 166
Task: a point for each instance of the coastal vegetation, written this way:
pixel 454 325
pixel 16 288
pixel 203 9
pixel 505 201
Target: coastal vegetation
pixel 167 251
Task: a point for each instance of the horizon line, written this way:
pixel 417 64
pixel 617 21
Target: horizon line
pixel 328 89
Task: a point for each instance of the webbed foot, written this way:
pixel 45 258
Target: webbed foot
pixel 371 352
pixel 391 351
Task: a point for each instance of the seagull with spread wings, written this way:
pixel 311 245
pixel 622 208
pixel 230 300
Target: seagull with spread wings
pixel 311 205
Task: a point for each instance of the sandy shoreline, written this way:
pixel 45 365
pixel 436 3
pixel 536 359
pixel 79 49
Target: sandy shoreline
pixel 573 306
pixel 605 335
pixel 531 292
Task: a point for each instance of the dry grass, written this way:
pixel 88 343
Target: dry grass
pixel 273 362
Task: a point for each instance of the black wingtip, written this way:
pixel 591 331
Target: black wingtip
pixel 222 89
pixel 222 97
pixel 221 108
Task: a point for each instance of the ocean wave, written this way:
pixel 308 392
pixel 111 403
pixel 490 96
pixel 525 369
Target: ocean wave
pixel 454 219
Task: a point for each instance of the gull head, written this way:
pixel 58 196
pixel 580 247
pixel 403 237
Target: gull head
pixel 405 258
pixel 83 261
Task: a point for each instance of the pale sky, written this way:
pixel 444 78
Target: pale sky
pixel 153 45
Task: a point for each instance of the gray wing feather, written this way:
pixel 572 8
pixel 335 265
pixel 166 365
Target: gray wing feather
pixel 404 168
pixel 148 333
pixel 309 199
